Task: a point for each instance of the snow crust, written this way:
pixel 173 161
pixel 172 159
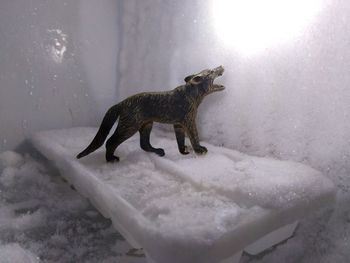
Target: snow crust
pixel 13 253
pixel 187 208
pixel 10 159
pixel 43 220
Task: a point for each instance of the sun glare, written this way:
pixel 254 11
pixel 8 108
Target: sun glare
pixel 250 26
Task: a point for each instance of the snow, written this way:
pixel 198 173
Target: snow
pixel 14 253
pixel 43 220
pixel 290 102
pixel 219 202
pixel 10 159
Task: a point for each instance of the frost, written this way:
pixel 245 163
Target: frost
pixel 43 220
pixel 57 44
pixel 11 253
pixel 10 159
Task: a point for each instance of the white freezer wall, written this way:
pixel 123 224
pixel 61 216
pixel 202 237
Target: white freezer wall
pixel 290 101
pixel 58 65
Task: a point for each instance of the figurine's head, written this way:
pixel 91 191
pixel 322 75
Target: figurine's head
pixel 204 80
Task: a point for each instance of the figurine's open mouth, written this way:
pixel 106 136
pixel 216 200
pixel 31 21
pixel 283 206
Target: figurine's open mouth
pixel 218 87
pixel 217 72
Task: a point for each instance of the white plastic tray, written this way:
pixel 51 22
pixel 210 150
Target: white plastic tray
pixel 185 209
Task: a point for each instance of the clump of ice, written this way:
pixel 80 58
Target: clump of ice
pixel 10 159
pixel 14 253
pixel 43 220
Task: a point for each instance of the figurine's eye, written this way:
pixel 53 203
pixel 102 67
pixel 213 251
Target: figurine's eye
pixel 197 79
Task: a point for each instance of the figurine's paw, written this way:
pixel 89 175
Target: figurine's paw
pixel 112 159
pixel 159 152
pixel 201 150
pixel 184 150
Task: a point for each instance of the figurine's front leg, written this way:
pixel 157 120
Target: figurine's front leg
pixel 180 138
pixel 191 130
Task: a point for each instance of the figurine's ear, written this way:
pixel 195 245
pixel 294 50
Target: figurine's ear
pixel 188 78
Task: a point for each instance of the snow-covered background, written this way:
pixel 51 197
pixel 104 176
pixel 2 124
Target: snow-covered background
pixel 62 63
pixel 57 65
pixel 290 101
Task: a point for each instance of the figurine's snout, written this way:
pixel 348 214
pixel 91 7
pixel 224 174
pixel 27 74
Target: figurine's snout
pixel 219 70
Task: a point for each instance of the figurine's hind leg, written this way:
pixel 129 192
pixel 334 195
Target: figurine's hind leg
pixel 180 138
pixel 145 144
pixel 123 132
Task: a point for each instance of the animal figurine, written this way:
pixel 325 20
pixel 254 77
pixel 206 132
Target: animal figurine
pixel 138 112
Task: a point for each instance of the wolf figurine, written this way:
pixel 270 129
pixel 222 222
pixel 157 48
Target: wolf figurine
pixel 138 112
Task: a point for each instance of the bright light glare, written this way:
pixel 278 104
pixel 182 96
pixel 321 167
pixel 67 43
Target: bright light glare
pixel 251 26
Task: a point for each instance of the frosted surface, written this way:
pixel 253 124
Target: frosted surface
pixel 289 101
pixel 55 59
pixel 187 208
pixel 14 253
pixel 43 220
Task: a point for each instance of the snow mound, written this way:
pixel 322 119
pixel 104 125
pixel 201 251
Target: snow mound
pixel 14 253
pixel 10 159
pixel 187 208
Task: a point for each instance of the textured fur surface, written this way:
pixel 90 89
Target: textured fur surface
pixel 138 112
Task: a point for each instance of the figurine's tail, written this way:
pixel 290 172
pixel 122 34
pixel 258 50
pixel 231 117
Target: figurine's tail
pixel 107 123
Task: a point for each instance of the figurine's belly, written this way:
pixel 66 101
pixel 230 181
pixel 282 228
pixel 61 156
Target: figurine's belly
pixel 165 115
pixel 168 119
